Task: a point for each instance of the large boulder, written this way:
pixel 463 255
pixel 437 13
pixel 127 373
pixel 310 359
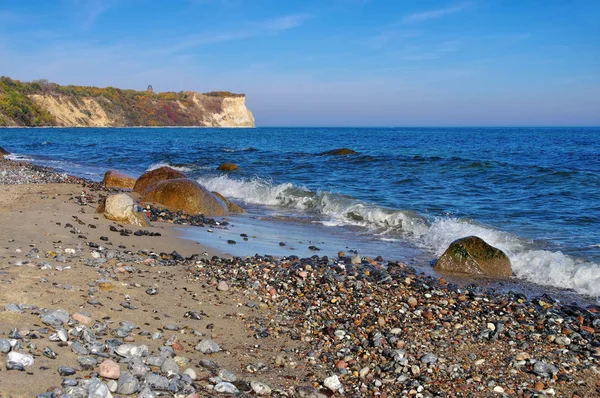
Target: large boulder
pixel 228 167
pixel 3 152
pixel 232 207
pixel 340 152
pixel 117 179
pixel 154 176
pixel 122 208
pixel 473 256
pixel 185 195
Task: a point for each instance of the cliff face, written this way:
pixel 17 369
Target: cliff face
pixel 48 104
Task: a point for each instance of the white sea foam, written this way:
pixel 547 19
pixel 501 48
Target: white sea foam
pixel 538 266
pixel 155 166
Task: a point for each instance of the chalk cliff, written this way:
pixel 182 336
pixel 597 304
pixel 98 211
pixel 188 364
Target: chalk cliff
pixel 47 104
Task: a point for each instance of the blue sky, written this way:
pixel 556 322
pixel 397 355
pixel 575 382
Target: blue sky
pixel 327 62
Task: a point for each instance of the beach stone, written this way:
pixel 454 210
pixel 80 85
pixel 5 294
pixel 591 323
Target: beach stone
pixel 333 383
pixel 4 151
pixel 19 360
pixel 232 207
pixel 5 346
pixel 153 176
pixel 228 167
pixel 117 179
pixel 340 152
pixel 82 319
pixel 186 195
pixel 130 350
pixel 222 286
pixel 544 369
pixel 109 369
pixel 97 389
pixel 127 384
pixel 157 382
pixel 472 255
pixel 226 388
pixel 260 388
pixel 191 373
pixel 170 367
pixel 227 375
pixel 121 207
pixel 56 319
pixel 207 347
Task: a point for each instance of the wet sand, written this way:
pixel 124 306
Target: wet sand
pixel 301 326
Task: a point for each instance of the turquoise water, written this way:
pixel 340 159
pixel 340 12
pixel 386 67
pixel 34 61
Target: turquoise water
pixel 533 192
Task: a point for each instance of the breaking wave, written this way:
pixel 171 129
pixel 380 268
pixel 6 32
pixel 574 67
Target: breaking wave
pixel 543 267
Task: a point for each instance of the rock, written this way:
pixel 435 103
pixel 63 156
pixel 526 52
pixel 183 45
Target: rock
pixel 260 388
pixel 186 195
pixel 82 319
pixel 429 359
pixel 127 384
pixel 56 319
pixel 169 367
pixel 544 369
pixel 228 167
pixel 207 347
pixel 97 389
pixel 4 151
pixel 222 286
pixel 333 383
pixel 157 382
pixel 5 345
pixel 117 179
pixel 226 388
pixel 153 176
pixel 191 373
pixel 130 350
pixel 17 360
pixel 121 207
pixel 472 255
pixel 227 375
pixel 232 207
pixel 109 369
pixel 340 152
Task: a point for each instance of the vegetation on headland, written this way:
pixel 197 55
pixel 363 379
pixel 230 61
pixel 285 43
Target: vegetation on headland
pixel 22 104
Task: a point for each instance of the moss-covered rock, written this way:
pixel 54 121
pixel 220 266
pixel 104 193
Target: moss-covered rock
pixel 473 256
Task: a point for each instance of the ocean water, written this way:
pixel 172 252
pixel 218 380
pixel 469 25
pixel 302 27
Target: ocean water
pixel 532 192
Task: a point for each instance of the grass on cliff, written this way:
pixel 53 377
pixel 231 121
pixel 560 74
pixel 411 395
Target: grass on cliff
pixel 17 107
pixel 128 107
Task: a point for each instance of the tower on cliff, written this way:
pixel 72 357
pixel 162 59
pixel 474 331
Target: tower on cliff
pixel 150 89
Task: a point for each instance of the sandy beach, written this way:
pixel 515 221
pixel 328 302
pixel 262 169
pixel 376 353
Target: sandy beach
pixel 100 313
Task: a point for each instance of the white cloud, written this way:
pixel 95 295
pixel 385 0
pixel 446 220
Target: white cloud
pixel 433 14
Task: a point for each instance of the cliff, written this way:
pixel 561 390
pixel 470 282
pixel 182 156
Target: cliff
pixel 41 103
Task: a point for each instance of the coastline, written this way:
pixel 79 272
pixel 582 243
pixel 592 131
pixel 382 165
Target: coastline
pixel 379 330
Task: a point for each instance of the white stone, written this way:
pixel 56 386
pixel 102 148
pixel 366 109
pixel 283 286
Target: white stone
pixel 333 383
pixel 121 207
pixel 21 359
pixel 260 388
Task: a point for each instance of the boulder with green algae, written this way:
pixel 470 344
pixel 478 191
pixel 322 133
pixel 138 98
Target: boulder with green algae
pixel 473 256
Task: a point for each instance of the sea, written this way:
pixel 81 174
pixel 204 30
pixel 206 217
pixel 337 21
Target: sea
pixel 408 193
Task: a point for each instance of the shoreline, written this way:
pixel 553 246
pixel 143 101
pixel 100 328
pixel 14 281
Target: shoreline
pixel 379 330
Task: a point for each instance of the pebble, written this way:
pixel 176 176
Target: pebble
pixel 260 388
pixel 127 384
pixel 333 383
pixel 226 388
pixel 109 369
pixel 208 347
pixel 222 286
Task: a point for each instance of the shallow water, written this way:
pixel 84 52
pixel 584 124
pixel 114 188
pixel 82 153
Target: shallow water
pixel 534 193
